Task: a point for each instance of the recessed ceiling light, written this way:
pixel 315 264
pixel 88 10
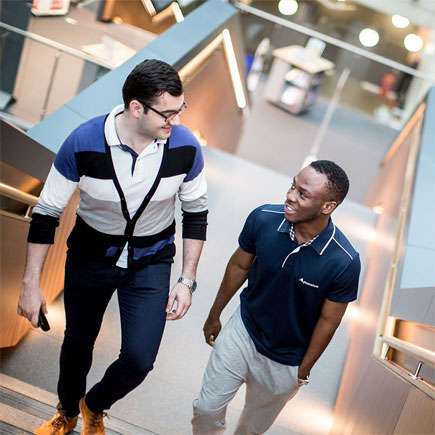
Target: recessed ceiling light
pixel 399 21
pixel 413 42
pixel 368 37
pixel 288 7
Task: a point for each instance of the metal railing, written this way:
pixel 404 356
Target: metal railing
pixel 17 195
pixel 423 356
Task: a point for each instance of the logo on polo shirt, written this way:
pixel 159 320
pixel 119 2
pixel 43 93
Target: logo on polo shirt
pixel 308 283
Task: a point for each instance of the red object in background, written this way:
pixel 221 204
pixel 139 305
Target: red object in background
pixel 387 83
pixel 56 4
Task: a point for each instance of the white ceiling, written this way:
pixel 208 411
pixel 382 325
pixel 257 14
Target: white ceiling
pixel 419 12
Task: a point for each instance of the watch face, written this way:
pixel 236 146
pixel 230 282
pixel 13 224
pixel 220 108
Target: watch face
pixel 193 286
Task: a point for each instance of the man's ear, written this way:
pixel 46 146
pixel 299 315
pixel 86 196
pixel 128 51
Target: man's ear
pixel 329 207
pixel 135 108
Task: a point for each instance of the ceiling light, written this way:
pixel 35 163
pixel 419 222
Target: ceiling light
pixel 368 37
pixel 179 17
pixel 378 209
pixel 413 42
pixel 234 69
pixel 288 7
pixel 399 21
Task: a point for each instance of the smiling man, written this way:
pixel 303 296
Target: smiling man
pixel 302 272
pixel 128 165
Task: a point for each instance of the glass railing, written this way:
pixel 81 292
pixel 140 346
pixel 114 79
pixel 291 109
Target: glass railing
pixel 323 66
pixel 47 61
pixel 49 74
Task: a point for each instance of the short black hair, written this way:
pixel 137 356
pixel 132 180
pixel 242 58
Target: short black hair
pixel 150 79
pixel 338 183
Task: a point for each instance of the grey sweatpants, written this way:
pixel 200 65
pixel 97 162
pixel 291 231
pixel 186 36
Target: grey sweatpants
pixel 233 361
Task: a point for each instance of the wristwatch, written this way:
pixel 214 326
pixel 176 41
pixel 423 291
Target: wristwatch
pixel 191 283
pixel 305 381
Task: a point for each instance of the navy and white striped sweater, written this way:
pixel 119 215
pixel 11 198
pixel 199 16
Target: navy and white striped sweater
pixel 126 211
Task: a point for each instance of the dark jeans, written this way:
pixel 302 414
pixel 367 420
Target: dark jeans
pixel 142 298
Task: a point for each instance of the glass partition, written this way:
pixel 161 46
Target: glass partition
pixel 386 80
pixel 52 59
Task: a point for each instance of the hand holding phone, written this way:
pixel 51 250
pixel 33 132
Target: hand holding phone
pixel 42 321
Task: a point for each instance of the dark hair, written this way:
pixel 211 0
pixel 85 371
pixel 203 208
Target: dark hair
pixel 150 79
pixel 338 183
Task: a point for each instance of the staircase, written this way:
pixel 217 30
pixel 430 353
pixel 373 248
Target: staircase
pixel 23 408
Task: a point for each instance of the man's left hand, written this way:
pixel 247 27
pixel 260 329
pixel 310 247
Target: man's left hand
pixel 182 295
pixel 303 373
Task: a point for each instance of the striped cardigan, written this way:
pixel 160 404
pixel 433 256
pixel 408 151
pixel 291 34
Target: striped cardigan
pixel 105 227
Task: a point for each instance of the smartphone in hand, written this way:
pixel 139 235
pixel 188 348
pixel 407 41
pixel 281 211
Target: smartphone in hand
pixel 42 321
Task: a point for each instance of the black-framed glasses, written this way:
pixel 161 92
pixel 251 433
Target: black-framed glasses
pixel 169 117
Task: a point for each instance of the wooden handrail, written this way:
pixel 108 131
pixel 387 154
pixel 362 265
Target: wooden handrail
pixel 18 195
pixel 419 353
pixel 402 135
pixel 15 216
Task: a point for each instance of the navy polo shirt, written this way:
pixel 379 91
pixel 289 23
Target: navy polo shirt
pixel 288 284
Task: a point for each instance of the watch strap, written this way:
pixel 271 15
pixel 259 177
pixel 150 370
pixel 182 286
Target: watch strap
pixel 190 283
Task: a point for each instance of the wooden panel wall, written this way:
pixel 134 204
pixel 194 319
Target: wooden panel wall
pixel 212 104
pixel 371 398
pixel 133 12
pixel 13 258
pixel 417 416
pixel 13 254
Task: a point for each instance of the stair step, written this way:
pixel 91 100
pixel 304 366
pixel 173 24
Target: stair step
pixel 24 407
pixel 25 404
pixel 7 429
pixel 19 420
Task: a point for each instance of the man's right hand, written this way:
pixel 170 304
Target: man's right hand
pixel 212 328
pixel 31 301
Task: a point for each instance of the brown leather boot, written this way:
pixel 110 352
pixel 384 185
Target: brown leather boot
pixel 92 423
pixel 58 425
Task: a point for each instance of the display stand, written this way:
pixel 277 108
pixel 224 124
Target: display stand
pixel 50 7
pixel 295 78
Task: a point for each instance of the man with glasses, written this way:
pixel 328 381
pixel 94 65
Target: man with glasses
pixel 302 272
pixel 128 165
